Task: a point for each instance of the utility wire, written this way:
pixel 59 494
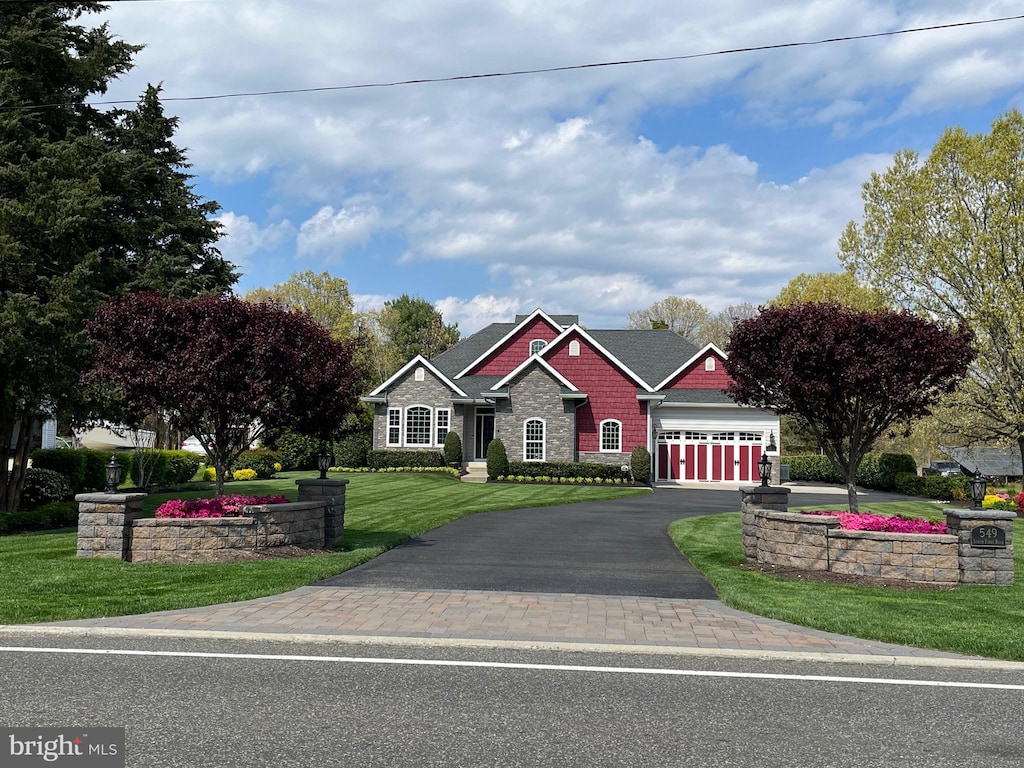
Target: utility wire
pixel 544 70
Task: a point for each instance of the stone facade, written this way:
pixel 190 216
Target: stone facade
pixel 775 536
pixel 406 392
pixel 615 459
pixel 105 523
pixel 536 394
pixel 332 494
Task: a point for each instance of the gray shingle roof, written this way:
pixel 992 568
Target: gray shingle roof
pixel 453 361
pixel 563 320
pixel 991 461
pixel 651 355
pixel 695 396
pixel 476 386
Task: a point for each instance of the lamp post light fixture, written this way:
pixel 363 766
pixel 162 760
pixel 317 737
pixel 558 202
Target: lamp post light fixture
pixel 323 461
pixel 764 469
pixel 113 471
pixel 771 441
pixel 978 485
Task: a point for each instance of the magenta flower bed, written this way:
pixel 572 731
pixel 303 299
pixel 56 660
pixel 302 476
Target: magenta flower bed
pixel 225 506
pixel 866 521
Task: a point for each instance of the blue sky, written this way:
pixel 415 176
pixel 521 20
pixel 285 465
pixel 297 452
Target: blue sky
pixel 595 192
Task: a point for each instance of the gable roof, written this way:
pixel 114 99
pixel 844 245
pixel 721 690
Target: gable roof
pixel 418 360
pixel 515 327
pixel 700 353
pixel 652 355
pixel 589 338
pixel 991 461
pixel 538 360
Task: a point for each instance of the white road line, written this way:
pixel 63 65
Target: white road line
pixel 514 665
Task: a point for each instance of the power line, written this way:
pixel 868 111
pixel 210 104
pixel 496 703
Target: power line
pixel 545 70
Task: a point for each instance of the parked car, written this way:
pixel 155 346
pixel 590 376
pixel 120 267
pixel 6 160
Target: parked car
pixel 194 445
pixel 944 468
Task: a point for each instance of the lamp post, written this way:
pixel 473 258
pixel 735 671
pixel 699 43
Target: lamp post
pixel 113 471
pixel 978 485
pixel 771 442
pixel 764 469
pixel 323 461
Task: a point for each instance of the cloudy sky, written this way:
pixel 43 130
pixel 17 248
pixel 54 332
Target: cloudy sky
pixel 596 191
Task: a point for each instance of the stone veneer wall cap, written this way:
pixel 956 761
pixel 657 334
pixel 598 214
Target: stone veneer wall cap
pixel 101 497
pixel 845 533
pixel 328 482
pixel 980 514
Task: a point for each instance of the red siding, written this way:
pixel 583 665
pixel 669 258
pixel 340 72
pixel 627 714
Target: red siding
pixel 506 358
pixel 611 395
pixel 695 377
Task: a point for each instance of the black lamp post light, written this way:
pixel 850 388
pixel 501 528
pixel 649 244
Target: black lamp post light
pixel 113 470
pixel 764 469
pixel 978 485
pixel 323 461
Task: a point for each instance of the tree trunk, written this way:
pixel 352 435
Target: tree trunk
pixel 851 486
pixel 18 459
pixel 6 477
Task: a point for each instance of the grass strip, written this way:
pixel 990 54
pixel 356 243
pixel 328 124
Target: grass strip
pixel 44 581
pixel 973 620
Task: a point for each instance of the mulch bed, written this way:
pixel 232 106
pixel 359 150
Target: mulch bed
pixel 795 574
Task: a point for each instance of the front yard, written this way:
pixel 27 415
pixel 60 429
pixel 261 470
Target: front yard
pixel 44 581
pixel 975 620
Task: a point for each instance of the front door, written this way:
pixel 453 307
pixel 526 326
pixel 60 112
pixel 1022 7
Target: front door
pixel 483 431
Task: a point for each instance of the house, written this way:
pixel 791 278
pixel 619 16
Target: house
pixel 555 391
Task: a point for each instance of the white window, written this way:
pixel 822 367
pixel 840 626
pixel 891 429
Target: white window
pixel 537 345
pixel 420 373
pixel 611 436
pixel 696 435
pixel 533 440
pixel 417 425
pixel 442 420
pixel 574 348
pixel 394 426
pixel 709 364
pixel 665 437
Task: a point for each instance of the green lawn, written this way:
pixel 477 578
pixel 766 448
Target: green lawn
pixel 977 620
pixel 44 581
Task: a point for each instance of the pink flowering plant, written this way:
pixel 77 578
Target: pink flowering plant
pixel 866 521
pixel 222 506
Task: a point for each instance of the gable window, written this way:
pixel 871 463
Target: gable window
pixel 442 421
pixel 394 426
pixel 533 440
pixel 417 425
pixel 574 348
pixel 611 436
pixel 537 345
pixel 420 374
pixel 709 364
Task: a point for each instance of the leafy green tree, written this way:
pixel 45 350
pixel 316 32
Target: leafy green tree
pixel 326 299
pixel 845 375
pixel 944 236
pixel 839 287
pixel 415 327
pixel 92 204
pixel 684 316
pixel 254 366
pixel 717 328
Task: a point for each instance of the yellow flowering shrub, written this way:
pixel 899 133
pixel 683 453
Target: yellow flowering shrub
pixel 244 474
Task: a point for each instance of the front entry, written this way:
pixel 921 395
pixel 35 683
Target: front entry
pixel 483 432
pixel 697 456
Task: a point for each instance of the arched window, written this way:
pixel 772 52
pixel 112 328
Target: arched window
pixel 574 348
pixel 537 345
pixel 420 374
pixel 709 364
pixel 533 440
pixel 611 436
pixel 417 425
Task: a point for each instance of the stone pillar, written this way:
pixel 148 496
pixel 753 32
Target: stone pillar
pixel 105 523
pixel 775 498
pixel 984 544
pixel 333 493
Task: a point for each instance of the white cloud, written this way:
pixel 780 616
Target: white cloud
pixel 243 238
pixel 332 232
pixel 474 313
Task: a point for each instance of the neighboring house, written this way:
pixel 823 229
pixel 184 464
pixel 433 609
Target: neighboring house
pixel 554 391
pixel 991 461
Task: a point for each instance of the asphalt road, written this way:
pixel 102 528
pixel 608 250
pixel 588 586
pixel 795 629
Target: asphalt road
pixel 599 548
pixel 337 705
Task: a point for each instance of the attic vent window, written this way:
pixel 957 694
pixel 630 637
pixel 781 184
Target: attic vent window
pixel 420 373
pixel 709 364
pixel 574 348
pixel 537 345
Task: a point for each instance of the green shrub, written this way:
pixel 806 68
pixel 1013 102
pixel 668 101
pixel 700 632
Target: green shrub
pixel 497 460
pixel 932 486
pixel 640 464
pixel 879 470
pixel 812 468
pixel 244 474
pixel 259 460
pixel 564 469
pixel 157 469
pixel 352 451
pixel 453 448
pixel 182 466
pixel 43 486
pixel 297 451
pixel 57 514
pixel 67 462
pixel 393 459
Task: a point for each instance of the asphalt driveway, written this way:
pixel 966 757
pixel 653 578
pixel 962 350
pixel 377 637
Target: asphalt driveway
pixel 597 548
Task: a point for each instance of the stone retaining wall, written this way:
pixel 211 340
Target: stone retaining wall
pixel 299 524
pixel 774 536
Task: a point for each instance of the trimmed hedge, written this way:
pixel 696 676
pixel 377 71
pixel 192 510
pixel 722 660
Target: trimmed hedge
pixel 497 460
pixel 392 458
pixel 640 464
pixel 557 469
pixel 259 460
pixel 876 470
pixel 58 514
pixel 933 486
pixel 296 451
pixel 453 448
pixel 352 451
pixel 43 486
pixel 165 468
pixel 84 470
